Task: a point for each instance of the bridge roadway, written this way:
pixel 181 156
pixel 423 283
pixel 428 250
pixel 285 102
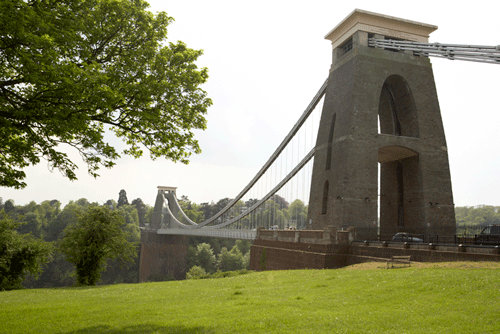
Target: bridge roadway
pixel 211 232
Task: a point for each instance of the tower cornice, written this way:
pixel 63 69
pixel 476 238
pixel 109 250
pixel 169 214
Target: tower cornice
pixel 361 20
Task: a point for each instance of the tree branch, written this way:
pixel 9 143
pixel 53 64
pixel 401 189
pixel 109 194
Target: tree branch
pixel 11 82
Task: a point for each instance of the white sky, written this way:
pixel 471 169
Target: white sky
pixel 266 61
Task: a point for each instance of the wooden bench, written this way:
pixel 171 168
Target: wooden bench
pixel 404 260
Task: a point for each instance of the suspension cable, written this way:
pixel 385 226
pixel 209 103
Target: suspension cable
pixel 477 53
pixel 290 175
pixel 310 108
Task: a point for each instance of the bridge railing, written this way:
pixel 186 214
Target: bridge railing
pixel 207 232
pixel 372 234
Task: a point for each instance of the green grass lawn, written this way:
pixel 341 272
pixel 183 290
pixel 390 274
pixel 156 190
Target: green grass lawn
pixel 458 298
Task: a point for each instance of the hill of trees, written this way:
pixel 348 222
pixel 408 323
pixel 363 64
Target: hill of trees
pixel 47 220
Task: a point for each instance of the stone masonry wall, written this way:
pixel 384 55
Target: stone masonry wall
pixel 274 250
pixel 162 256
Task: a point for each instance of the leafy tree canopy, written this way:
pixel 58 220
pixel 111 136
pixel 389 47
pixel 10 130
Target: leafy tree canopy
pixel 192 210
pixel 20 255
pixel 122 198
pixel 141 210
pixel 206 258
pixel 46 220
pixel 96 237
pixel 72 70
pixel 231 260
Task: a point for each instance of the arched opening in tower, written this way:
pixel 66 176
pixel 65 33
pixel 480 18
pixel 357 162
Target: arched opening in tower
pixel 396 112
pixel 399 173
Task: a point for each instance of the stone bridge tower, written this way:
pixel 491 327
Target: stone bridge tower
pixel 162 256
pixel 381 134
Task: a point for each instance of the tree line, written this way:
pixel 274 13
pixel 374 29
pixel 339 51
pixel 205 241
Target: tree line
pixel 472 219
pixel 40 242
pixel 32 238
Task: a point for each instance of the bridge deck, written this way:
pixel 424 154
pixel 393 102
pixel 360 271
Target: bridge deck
pixel 216 233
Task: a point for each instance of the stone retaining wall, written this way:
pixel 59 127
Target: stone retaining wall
pixel 275 250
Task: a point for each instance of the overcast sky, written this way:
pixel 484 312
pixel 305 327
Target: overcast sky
pixel 266 61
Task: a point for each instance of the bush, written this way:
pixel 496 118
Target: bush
pixel 196 272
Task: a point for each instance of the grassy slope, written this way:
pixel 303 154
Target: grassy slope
pixel 461 298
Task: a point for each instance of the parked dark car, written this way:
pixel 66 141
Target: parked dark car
pixel 490 235
pixel 406 237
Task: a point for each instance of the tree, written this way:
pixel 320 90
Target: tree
pixel 67 216
pixel 82 202
pixel 9 206
pixel 206 209
pixel 243 246
pixel 192 210
pixel 205 257
pixel 472 219
pixel 298 212
pixel 221 204
pixel 95 237
pixel 111 203
pixel 117 271
pixel 283 204
pixel 20 255
pixel 32 224
pixel 141 210
pixel 231 260
pixel 131 222
pixel 191 256
pixel 72 70
pixel 122 198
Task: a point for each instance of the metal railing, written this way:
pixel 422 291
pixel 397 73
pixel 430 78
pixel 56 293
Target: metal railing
pixel 371 234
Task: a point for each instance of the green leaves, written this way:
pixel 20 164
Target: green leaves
pixel 20 255
pixel 205 257
pixel 88 66
pixel 96 237
pixel 231 260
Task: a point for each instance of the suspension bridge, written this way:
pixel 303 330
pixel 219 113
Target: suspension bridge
pixel 287 172
pixel 368 152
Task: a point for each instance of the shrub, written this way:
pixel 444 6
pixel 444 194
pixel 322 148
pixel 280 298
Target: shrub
pixel 196 272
